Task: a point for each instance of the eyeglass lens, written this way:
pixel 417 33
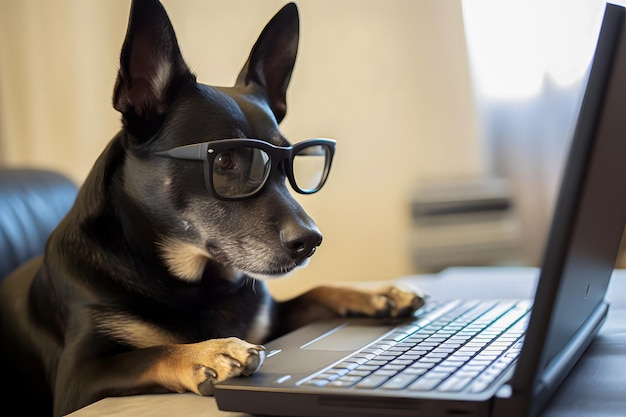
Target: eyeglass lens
pixel 241 172
pixel 308 167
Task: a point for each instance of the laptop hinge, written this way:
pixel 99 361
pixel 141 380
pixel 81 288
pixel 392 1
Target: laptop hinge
pixel 511 403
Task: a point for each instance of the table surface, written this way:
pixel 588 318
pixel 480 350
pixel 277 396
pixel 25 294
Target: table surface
pixel 595 387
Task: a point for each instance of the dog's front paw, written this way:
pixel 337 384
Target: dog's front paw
pixel 397 302
pixel 219 359
pixel 387 302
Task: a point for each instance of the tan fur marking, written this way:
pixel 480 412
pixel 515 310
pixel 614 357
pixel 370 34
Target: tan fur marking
pixel 389 300
pixel 132 330
pixel 184 260
pixel 185 367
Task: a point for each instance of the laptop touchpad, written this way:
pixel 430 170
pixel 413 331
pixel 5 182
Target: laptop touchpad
pixel 347 337
pixel 319 344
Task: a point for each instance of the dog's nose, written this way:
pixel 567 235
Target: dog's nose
pixel 301 242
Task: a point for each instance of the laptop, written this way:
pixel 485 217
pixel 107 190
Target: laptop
pixel 477 357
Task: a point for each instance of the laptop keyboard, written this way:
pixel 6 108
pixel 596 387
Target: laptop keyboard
pixel 453 347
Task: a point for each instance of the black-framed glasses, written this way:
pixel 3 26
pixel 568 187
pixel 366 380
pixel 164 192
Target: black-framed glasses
pixel 235 169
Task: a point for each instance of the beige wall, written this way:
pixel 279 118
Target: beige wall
pixel 387 78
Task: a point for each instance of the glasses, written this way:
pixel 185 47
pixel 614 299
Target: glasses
pixel 236 169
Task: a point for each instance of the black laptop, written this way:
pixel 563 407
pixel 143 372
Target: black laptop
pixel 476 357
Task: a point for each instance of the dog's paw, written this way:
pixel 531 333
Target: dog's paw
pixel 219 359
pixel 391 302
pixel 387 302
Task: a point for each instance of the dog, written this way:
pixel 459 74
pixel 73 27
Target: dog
pixel 154 281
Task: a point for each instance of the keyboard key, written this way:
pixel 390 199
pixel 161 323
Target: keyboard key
pixel 479 362
pixel 399 381
pixel 358 372
pixel 502 343
pixel 373 351
pixel 453 362
pixel 394 367
pixel 487 356
pixel 424 384
pixel 347 365
pixel 338 371
pixel 439 355
pixel 350 378
pixel 387 372
pixel 437 339
pixel 317 382
pixel 405 345
pixel 365 356
pixel 471 374
pixel 368 367
pixel 340 384
pixel 435 373
pixel 415 371
pixel 399 350
pixel 329 377
pixel 396 336
pixel 377 362
pixel 404 362
pixel 414 339
pixel 422 365
pixel 429 344
pixel 381 346
pixel 473 368
pixel 463 358
pixel 450 345
pixel 429 360
pixel 408 329
pixel 372 381
pixel 446 368
pixel 454 384
pixel 412 356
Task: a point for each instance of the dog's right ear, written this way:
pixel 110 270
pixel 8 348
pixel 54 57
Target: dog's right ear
pixel 272 59
pixel 151 69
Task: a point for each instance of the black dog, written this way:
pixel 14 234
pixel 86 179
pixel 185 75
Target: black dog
pixel 153 281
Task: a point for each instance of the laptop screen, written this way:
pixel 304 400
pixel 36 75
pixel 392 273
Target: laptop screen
pixel 590 212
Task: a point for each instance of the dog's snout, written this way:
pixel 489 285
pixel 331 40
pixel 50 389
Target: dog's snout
pixel 301 243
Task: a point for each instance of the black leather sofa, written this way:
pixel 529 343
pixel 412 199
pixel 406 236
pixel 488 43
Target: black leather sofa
pixel 32 203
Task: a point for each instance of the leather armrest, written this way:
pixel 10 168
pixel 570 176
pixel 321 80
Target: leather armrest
pixel 32 203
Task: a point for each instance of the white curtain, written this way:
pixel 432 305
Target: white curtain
pixel 529 62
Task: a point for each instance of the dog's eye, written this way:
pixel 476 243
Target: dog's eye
pixel 223 161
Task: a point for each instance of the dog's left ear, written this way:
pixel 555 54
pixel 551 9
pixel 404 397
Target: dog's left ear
pixel 272 58
pixel 151 69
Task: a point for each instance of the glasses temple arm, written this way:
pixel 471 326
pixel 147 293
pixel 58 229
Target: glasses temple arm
pixel 195 152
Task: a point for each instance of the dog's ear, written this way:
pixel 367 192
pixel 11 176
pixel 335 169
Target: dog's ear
pixel 272 58
pixel 151 68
